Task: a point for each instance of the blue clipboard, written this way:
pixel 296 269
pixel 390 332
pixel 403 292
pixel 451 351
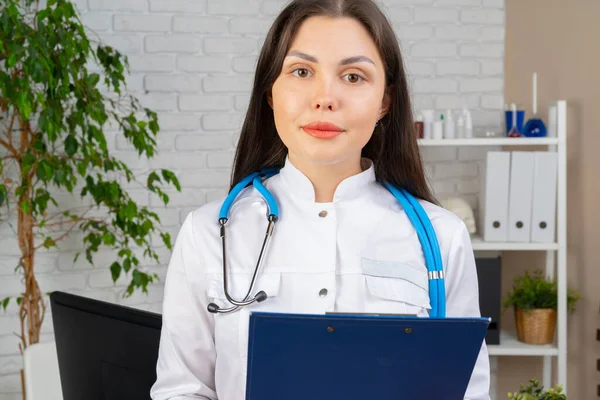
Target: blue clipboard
pixel 358 357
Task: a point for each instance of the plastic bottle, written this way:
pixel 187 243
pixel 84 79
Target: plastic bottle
pixel 468 125
pixel 460 127
pixel 438 128
pixel 449 130
pixel 427 123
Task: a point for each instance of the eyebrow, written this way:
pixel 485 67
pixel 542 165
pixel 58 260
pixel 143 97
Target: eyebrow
pixel 345 61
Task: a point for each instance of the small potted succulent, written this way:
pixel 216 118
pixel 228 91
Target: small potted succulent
pixel 534 299
pixel 533 391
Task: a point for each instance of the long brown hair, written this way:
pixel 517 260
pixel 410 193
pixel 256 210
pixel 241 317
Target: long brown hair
pixel 393 146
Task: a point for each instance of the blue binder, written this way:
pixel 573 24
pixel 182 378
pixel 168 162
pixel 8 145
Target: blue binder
pixel 359 357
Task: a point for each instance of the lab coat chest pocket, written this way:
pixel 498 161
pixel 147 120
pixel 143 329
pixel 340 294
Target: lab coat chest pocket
pixel 396 287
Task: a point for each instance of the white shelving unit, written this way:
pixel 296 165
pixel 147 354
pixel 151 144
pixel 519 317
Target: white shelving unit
pixel 493 141
pixel 556 253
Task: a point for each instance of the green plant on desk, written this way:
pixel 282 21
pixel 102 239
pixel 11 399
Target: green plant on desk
pixel 533 391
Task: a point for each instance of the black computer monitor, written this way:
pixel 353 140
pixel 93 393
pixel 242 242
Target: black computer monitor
pixel 105 351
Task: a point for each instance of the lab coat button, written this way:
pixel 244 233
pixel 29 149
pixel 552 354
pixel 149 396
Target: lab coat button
pixel 323 292
pixel 323 214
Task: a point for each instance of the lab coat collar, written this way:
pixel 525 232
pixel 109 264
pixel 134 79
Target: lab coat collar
pixel 352 187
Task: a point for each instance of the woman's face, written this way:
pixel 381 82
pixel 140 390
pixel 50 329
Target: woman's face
pixel 332 74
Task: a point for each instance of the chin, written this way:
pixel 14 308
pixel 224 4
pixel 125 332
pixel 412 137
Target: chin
pixel 325 155
pixel 323 151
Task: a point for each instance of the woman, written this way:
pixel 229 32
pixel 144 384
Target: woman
pixel 330 107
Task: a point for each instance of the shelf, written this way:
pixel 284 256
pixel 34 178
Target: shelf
pixel 497 141
pixel 479 244
pixel 510 346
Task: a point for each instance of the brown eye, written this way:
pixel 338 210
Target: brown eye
pixel 354 78
pixel 301 72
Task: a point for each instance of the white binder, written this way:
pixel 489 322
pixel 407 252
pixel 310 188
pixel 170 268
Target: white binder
pixel 519 197
pixel 543 209
pixel 494 197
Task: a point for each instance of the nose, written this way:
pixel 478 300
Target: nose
pixel 325 98
pixel 325 104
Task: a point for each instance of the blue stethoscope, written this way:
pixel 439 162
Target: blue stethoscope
pixel 412 207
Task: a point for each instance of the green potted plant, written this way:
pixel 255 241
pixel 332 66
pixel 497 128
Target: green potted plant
pixel 534 299
pixel 533 391
pixel 59 93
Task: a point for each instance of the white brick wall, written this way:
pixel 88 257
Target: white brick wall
pixel 193 61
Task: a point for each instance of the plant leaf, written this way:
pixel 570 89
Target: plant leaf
pixel 44 171
pixel 92 79
pixel 115 270
pixel 24 105
pixel 71 145
pixel 12 61
pixel 127 265
pixel 2 194
pixel 5 303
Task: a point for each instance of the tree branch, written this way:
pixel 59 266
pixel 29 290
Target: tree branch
pixel 8 145
pixel 10 129
pixel 24 136
pixel 5 144
pixel 74 221
pixel 58 213
pixel 61 237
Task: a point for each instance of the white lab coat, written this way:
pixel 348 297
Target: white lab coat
pixel 316 263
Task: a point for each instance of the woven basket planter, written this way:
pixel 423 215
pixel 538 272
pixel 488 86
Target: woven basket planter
pixel 536 326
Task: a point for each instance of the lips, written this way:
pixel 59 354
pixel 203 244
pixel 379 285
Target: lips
pixel 322 130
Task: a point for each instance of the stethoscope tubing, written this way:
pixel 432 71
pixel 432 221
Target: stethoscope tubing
pixel 413 209
pixel 431 251
pixel 256 179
